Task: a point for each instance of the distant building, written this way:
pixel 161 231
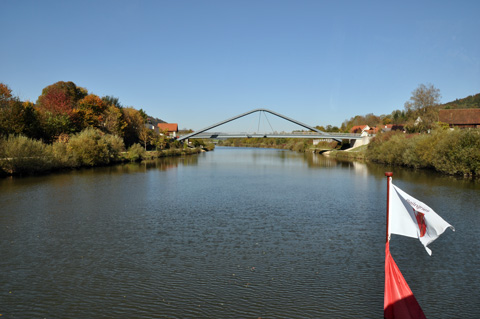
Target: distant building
pixel 418 121
pixel 150 126
pixel 170 128
pixel 359 129
pixel 365 130
pixel 463 118
pixel 393 127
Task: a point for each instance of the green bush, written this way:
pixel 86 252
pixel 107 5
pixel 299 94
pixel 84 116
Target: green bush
pixel 388 148
pixel 116 147
pixel 91 148
pixel 22 155
pixel 136 152
pixel 421 152
pixel 62 156
pixel 459 153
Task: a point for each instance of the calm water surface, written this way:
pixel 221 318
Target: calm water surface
pixel 234 233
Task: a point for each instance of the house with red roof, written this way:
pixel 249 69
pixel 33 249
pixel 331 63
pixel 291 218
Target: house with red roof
pixel 463 118
pixel 359 128
pixel 363 129
pixel 169 129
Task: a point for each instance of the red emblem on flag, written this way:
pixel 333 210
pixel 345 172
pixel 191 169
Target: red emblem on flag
pixel 421 222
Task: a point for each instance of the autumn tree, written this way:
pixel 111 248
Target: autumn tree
pixel 134 124
pixel 372 120
pixel 90 110
pixel 146 136
pixel 5 94
pixel 113 121
pixel 17 117
pixel 11 112
pixel 111 100
pixel 422 108
pixel 354 121
pixel 57 109
pixel 387 120
pixel 60 97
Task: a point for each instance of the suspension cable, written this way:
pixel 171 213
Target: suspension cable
pixel 259 119
pixel 265 114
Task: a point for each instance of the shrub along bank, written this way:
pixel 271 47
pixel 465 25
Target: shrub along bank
pixel 454 152
pixel 20 155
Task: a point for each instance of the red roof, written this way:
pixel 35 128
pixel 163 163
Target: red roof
pixel 169 127
pixel 357 128
pixel 460 116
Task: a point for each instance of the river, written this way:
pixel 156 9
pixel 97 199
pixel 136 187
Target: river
pixel 233 233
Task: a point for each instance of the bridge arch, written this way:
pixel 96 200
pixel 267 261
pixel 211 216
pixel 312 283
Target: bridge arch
pixel 321 133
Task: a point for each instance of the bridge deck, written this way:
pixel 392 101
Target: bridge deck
pixel 334 136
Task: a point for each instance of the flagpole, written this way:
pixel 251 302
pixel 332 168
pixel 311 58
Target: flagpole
pixel 398 299
pixel 389 179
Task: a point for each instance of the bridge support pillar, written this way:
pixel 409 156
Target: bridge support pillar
pixel 364 141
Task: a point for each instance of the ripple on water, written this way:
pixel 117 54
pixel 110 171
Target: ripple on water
pixel 269 236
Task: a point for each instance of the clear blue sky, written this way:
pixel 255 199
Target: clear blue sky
pixel 199 62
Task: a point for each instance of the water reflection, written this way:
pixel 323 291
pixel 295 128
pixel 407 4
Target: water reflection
pixel 324 161
pixel 234 233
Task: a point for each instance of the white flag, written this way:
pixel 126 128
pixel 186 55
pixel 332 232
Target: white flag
pixel 412 218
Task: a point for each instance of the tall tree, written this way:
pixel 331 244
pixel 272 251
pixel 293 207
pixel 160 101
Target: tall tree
pixel 422 107
pixel 111 100
pixel 134 124
pixel 113 121
pixel 146 136
pixel 11 112
pixel 33 128
pixel 61 97
pixel 57 109
pixel 5 93
pixel 91 108
pixel 12 117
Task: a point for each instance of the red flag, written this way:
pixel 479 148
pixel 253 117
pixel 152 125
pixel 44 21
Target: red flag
pixel 399 301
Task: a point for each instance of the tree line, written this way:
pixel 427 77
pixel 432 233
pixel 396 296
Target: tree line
pixel 64 109
pixel 69 127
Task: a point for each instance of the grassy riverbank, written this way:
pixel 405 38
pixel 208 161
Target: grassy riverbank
pixel 453 152
pixel 20 155
pixel 358 153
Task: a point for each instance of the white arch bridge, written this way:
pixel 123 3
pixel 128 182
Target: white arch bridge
pixel 207 133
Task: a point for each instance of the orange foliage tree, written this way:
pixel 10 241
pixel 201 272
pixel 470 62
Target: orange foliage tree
pixel 11 112
pixel 91 109
pixel 5 93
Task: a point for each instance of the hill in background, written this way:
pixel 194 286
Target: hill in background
pixel 469 102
